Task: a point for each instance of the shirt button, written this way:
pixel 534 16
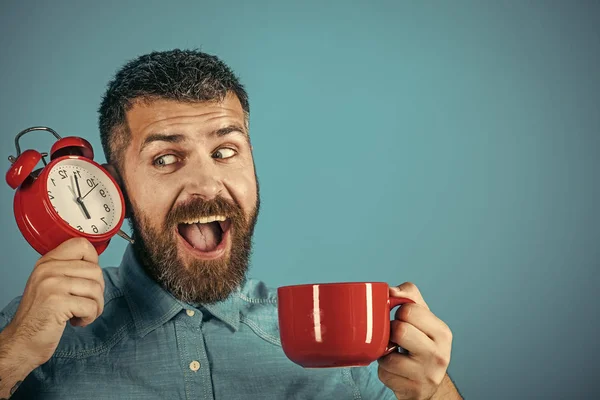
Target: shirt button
pixel 194 366
pixel 190 312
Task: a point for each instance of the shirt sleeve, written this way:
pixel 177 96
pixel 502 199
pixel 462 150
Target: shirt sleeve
pixel 369 385
pixel 7 314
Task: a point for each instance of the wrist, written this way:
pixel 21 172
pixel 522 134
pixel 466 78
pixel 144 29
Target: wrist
pixel 446 390
pixel 14 351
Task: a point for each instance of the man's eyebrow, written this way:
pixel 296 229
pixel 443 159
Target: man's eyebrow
pixel 229 129
pixel 162 137
pixel 178 138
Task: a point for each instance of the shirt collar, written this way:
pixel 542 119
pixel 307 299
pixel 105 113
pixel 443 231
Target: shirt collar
pixel 227 310
pixel 151 305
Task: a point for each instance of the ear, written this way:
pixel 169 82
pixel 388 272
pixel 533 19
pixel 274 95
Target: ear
pixel 112 170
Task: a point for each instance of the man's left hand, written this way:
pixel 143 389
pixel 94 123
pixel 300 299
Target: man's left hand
pixel 428 340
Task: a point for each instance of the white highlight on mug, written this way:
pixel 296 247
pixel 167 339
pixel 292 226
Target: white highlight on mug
pixel 317 313
pixel 369 313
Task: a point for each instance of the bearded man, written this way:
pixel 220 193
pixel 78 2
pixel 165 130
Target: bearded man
pixel 179 319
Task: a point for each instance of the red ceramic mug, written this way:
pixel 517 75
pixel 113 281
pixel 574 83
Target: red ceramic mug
pixel 336 324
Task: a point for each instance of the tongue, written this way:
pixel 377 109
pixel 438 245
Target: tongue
pixel 204 237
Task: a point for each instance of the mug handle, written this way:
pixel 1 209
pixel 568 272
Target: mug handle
pixel 393 303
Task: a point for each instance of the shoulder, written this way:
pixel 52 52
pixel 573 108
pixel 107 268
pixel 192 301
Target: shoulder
pixel 257 292
pixel 258 310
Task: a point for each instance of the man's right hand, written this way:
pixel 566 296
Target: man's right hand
pixel 66 284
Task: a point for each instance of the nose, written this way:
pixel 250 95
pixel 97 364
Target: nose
pixel 204 182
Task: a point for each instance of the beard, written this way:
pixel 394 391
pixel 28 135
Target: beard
pixel 200 281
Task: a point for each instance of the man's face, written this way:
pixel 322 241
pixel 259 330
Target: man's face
pixel 189 177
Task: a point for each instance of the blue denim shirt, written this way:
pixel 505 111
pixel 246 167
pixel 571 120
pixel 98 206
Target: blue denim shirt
pixel 148 345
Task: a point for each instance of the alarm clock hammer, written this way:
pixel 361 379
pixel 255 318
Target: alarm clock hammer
pixel 70 196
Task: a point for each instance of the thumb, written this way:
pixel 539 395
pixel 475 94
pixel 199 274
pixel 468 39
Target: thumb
pixel 408 290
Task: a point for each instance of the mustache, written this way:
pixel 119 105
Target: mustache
pixel 203 208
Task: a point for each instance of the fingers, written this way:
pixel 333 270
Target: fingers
pixel 84 288
pixel 425 321
pixel 73 269
pixel 57 288
pixel 403 387
pixel 428 340
pixel 401 365
pixel 72 249
pixel 82 309
pixel 409 290
pixel 69 284
pixel 411 338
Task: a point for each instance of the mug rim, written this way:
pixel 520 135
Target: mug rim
pixel 329 284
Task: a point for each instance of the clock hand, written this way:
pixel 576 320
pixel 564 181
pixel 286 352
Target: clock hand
pixel 80 199
pixel 85 211
pixel 72 192
pixel 90 191
pixel 77 184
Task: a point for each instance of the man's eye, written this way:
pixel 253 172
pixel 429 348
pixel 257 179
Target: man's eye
pixel 224 153
pixel 165 160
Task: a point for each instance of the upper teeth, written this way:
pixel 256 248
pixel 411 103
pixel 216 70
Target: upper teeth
pixel 205 220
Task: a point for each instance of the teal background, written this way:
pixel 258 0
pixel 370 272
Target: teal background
pixel 452 144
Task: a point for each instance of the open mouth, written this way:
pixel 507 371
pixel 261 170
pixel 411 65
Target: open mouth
pixel 206 236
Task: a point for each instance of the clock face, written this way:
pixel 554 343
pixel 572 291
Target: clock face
pixel 84 196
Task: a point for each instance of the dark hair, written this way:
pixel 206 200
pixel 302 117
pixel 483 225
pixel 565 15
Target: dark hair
pixel 182 75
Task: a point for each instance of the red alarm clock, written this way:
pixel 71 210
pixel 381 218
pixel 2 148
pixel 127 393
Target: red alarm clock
pixel 71 196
